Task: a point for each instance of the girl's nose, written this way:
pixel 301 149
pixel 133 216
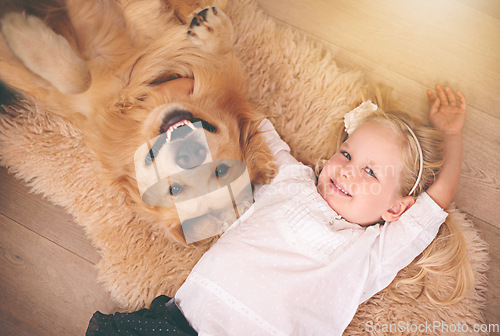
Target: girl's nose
pixel 347 171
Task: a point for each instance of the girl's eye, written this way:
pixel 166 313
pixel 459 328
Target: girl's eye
pixel 221 170
pixel 175 190
pixel 347 155
pixel 370 172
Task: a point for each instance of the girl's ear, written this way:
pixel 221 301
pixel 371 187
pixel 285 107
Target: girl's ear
pixel 399 207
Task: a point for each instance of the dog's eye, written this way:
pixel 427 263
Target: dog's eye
pixel 175 190
pixel 221 170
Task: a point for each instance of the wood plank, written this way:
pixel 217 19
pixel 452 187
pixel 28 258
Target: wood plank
pixel 479 189
pixel 45 289
pixel 488 7
pixel 425 40
pixel 491 235
pixel 43 217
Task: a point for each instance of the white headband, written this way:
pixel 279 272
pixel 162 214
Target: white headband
pixel 355 117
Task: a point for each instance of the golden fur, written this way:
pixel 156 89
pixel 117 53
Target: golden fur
pixel 100 65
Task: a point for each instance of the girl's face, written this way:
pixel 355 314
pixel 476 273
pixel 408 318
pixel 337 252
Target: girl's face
pixel 361 181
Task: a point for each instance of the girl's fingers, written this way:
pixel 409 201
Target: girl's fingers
pixel 451 96
pixel 430 97
pixel 442 95
pixel 463 102
pixel 435 106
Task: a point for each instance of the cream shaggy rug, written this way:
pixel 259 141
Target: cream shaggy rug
pixel 291 79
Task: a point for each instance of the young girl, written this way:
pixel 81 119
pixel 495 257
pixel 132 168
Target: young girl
pixel 309 251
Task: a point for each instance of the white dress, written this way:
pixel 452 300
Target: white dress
pixel 291 266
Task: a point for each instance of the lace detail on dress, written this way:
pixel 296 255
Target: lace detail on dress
pixel 312 233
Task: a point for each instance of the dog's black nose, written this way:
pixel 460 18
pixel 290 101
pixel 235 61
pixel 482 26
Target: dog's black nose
pixel 190 155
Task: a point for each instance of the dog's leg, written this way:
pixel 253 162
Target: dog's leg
pixel 212 31
pixel 45 53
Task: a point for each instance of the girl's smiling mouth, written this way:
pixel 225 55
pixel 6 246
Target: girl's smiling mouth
pixel 339 188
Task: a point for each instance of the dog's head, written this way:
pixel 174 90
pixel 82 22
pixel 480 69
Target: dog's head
pixel 194 169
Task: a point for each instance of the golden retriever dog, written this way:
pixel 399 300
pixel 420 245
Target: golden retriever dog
pixel 107 67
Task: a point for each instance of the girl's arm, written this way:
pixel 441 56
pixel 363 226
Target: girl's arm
pixel 447 115
pixel 278 147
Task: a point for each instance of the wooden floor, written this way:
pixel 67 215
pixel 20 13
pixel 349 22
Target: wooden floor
pixel 47 275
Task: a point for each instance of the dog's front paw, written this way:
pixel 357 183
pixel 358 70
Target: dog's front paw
pixel 212 31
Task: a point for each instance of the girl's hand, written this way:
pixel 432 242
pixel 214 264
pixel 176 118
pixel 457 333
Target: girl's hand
pixel 446 114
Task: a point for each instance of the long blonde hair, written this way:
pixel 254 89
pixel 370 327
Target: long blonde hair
pixel 445 258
